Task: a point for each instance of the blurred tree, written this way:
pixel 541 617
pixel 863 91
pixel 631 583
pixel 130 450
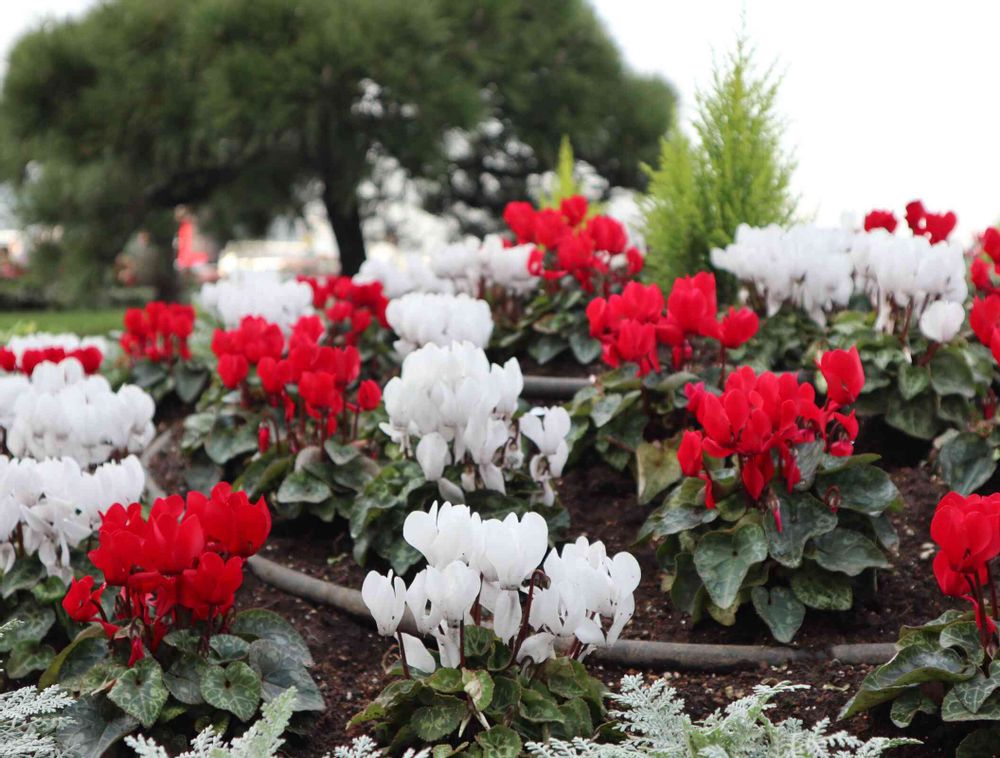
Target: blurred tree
pixel 735 172
pixel 242 108
pixel 548 70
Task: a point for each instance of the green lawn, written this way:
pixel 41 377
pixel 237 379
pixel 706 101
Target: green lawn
pixel 79 321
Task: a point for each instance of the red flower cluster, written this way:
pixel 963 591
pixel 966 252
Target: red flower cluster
pixel 631 326
pixel 181 565
pixel 982 268
pixel 90 358
pixel 935 226
pixel 569 244
pixel 158 332
pixel 967 529
pixel 243 347
pixel 880 219
pixel 984 318
pixel 350 307
pixel 304 378
pixel 761 418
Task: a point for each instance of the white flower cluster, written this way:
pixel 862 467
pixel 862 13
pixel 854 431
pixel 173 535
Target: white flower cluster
pixel 903 276
pixel 806 266
pixel 50 506
pixel 576 599
pixel 462 267
pixel 430 318
pixel 60 412
pixel 819 270
pixel 257 293
pixel 400 275
pixel 43 340
pixel 460 409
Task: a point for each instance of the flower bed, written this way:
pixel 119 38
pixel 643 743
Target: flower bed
pixel 723 446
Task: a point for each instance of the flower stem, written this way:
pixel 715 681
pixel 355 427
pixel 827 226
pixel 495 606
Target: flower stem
pixel 402 656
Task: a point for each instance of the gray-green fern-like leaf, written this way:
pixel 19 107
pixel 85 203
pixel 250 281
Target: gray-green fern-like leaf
pixel 262 740
pixel 655 724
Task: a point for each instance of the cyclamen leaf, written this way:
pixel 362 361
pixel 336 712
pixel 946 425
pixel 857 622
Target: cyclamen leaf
pixel 539 708
pixel 908 705
pixel 781 611
pixel 802 517
pixel 849 552
pixel 656 469
pixel 235 688
pixel 268 625
pixel 278 672
pixel 724 558
pixel 140 691
pixel 864 489
pixel 966 462
pixel 500 742
pixel 87 732
pixel 434 722
pixel 822 590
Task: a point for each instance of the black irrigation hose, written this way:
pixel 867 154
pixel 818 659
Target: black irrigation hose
pixel 635 653
pixel 554 387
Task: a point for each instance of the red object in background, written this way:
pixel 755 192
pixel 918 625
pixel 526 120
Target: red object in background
pixel 158 332
pixel 187 256
pixel 632 325
pixel 90 358
pixel 568 244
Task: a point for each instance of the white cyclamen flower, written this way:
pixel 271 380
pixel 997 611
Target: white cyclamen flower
pixel 942 320
pixel 385 597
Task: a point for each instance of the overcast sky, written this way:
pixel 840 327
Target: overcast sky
pixel 886 100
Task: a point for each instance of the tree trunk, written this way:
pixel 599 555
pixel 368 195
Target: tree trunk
pixel 161 228
pixel 346 223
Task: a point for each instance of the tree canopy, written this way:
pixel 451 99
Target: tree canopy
pixel 237 107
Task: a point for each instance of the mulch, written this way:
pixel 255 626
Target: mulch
pixel 351 659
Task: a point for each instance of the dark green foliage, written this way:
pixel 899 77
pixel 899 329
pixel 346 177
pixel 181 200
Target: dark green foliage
pixel 243 108
pixel 520 703
pixel 188 684
pixel 833 529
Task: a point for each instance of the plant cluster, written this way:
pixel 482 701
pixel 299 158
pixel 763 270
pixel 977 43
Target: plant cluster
pixel 653 721
pixel 772 508
pixel 23 354
pixel 62 412
pixel 949 666
pixel 156 339
pixel 455 413
pixel 983 270
pixel 49 507
pixel 349 306
pixel 174 646
pixel 261 294
pixel 420 319
pixel 305 382
pixel 48 510
pixel 262 740
pixel 491 686
pixel 490 267
pixel 820 270
pixel 158 332
pixel 571 242
pixel 632 326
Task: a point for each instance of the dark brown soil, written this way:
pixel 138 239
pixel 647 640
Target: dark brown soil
pixel 603 505
pixel 167 466
pixel 350 657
